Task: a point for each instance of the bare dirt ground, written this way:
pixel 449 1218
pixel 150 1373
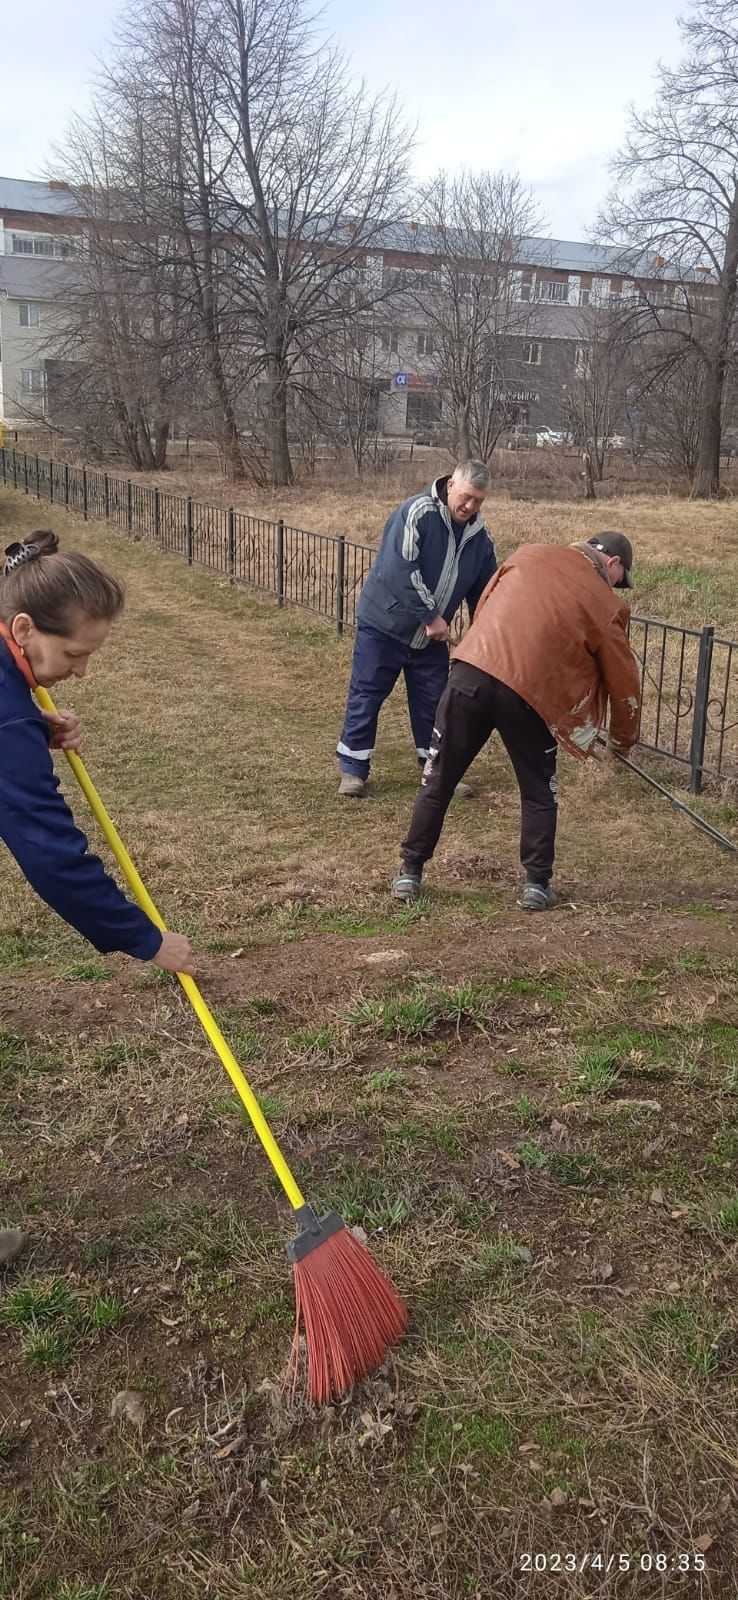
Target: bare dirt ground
pixel 534 1121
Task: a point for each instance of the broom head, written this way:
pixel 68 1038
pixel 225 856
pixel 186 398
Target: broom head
pixel 348 1309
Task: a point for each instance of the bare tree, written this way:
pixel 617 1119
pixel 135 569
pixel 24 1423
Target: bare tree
pixel 595 401
pixel 470 298
pixel 121 358
pixel 317 167
pixel 675 211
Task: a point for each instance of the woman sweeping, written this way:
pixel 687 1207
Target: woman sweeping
pixel 56 611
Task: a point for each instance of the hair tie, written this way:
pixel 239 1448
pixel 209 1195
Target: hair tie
pixel 17 553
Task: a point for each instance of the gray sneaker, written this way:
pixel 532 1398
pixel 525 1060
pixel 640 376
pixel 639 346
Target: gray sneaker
pixel 464 791
pixel 537 898
pixel 12 1241
pixel 349 785
pixel 408 885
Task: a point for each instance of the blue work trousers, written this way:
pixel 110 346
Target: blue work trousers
pixel 378 661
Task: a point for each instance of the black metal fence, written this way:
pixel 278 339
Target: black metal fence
pixel 689 688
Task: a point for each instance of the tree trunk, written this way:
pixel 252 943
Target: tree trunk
pixel 707 479
pixel 589 488
pixel 463 437
pixel 280 463
pixel 161 442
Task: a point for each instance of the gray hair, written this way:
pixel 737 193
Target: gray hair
pixel 475 473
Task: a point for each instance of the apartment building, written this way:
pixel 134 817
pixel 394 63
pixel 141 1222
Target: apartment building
pixel 35 221
pixel 555 286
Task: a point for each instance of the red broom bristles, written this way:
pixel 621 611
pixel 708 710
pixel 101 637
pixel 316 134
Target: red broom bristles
pixel 350 1313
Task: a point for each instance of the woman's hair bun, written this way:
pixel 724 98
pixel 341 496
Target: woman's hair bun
pixel 41 543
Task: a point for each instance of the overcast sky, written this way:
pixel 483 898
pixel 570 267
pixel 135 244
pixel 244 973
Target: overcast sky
pixel 529 85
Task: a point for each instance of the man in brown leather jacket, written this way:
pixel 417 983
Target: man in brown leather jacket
pixel 546 652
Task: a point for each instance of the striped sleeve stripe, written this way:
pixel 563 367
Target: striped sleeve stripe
pixel 427 598
pixel 410 534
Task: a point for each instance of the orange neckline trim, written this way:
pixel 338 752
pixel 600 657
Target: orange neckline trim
pixel 18 656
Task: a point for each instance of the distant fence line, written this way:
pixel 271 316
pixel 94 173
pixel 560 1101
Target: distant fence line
pixel 689 687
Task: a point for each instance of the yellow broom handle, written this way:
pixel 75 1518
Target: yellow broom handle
pixel 201 1010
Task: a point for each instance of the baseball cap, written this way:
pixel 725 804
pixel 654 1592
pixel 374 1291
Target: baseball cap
pixel 616 544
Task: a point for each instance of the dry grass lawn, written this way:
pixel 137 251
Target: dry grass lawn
pixel 535 1121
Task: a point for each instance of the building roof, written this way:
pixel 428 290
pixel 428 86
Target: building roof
pixel 44 199
pixel 56 198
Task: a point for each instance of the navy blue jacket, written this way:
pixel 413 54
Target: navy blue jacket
pixel 420 572
pixel 38 828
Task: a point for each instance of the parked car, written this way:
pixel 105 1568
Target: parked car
pixel 550 437
pixel 522 437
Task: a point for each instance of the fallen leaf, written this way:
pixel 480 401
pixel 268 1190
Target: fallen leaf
pixel 236 953
pixel 558 1499
pixel 228 1449
pixel 507 1157
pixel 128 1406
pixel 704 1542
pixel 657 1197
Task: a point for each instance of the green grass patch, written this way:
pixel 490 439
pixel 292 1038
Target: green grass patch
pixel 727 1218
pixel 422 1009
pixel 444 1439
pixel 363 1197
pixel 86 972
pixel 597 1071
pixel 686 1334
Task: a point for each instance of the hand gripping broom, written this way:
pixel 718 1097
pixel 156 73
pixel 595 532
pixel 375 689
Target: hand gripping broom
pixel 348 1309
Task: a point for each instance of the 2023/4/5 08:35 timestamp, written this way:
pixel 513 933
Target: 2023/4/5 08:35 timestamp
pixel 617 1561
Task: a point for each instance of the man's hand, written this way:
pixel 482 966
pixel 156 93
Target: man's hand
pixel 66 731
pixel 438 629
pixel 175 954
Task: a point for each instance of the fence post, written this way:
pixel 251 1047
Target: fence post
pixel 15 469
pixel 189 530
pixel 106 493
pixel 38 480
pixel 340 582
pixel 231 544
pixel 25 468
pixel 66 484
pixel 3 456
pixel 51 480
pixel 701 702
pixel 129 507
pixel 84 493
pixel 157 513
pixel 280 562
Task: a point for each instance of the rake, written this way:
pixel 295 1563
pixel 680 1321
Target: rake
pixel 347 1310
pixel 699 822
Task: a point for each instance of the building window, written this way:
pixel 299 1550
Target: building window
pixel 423 410
pixel 547 289
pixel 30 244
pixel 32 380
pixel 525 290
pixel 584 297
pixel 29 316
pixel 532 353
pixel 390 340
pixel 581 359
pixel 425 344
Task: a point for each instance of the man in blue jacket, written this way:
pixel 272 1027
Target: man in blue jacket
pixel 435 553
